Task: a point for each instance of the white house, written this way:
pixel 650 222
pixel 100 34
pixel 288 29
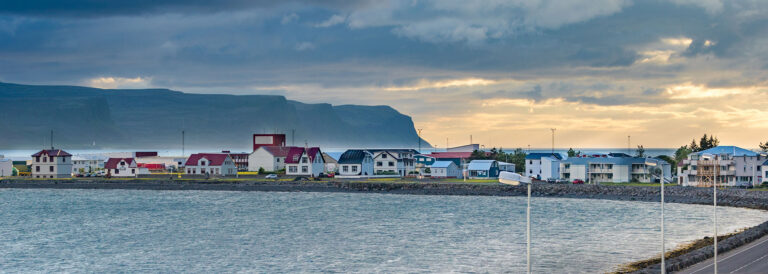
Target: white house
pixel 270 158
pixel 304 161
pixel 124 167
pixel 214 164
pixel 445 169
pixel 356 163
pixel 83 164
pixel 737 167
pixel 542 165
pixel 6 167
pixel 51 163
pixel 394 161
pixel 764 172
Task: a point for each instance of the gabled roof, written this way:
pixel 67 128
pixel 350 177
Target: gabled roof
pixel 294 154
pixel 353 156
pixel 397 150
pixel 214 159
pixel 764 163
pixel 480 164
pixel 730 150
pixel 328 158
pixel 442 164
pixel 277 151
pixel 52 153
pixel 538 155
pixel 112 162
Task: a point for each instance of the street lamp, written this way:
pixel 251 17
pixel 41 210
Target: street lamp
pixel 510 178
pixel 653 171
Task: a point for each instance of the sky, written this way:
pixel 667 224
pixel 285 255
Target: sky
pixel 505 72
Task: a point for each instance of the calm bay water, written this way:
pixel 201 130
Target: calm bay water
pixel 269 232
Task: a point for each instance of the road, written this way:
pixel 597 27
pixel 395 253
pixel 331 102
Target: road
pixel 751 258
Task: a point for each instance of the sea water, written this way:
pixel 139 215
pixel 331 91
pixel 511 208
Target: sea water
pixel 275 232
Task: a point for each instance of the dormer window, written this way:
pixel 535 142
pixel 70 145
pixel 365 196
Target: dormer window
pixel 202 163
pixel 384 156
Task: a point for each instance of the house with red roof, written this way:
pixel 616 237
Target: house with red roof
pixel 51 163
pixel 213 164
pixel 124 167
pixel 304 161
pixel 270 158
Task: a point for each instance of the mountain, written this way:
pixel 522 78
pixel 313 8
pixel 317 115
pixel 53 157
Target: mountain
pixel 154 118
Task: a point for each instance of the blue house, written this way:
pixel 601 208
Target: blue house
pixel 483 169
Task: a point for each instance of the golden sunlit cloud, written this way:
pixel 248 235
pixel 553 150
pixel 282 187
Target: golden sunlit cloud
pixel 682 41
pixel 119 82
pixel 426 84
pixel 690 91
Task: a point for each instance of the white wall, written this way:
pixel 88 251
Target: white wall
pixel 62 167
pixel 262 158
pixel 6 167
pixel 533 168
pixel 550 168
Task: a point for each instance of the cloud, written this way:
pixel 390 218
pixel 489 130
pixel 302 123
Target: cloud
pixel 303 46
pixel 334 20
pixel 118 82
pixel 288 18
pixel 451 83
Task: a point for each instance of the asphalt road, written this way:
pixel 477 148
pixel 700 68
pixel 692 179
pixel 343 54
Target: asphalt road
pixel 751 258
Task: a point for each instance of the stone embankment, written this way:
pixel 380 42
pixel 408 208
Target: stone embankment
pixel 673 194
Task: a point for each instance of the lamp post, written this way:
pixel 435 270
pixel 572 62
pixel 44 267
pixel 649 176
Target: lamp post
pixel 661 182
pixel 510 178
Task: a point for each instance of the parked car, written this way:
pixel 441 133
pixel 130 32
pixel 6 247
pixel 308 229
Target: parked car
pixel 578 182
pixel 271 176
pixel 562 181
pixel 330 175
pixel 551 180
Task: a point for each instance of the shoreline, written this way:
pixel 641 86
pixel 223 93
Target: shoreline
pixel 673 194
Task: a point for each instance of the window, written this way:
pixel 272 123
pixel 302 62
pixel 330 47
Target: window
pixel 202 163
pixel 45 159
pixel 354 168
pixel 50 168
pixel 383 156
pixel 51 159
pixel 304 169
pixel 133 171
pixel 216 171
pixel 63 159
pixel 117 171
pixel 379 163
pixel 531 162
pixel 37 159
pixel 304 160
pixel 122 163
pixel 393 164
pixel 292 169
pixel 189 171
pixel 278 160
pixel 345 168
pixel 37 168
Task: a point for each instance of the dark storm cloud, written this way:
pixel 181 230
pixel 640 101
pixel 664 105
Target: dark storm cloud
pixel 90 8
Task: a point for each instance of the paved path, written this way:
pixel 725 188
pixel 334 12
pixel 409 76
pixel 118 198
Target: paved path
pixel 751 258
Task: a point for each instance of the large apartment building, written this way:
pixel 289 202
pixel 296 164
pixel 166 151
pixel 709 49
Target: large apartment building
pixel 727 165
pixel 612 169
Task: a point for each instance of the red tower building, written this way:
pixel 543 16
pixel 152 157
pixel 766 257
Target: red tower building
pixel 260 140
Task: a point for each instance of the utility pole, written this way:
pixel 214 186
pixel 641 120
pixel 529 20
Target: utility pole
pixel 553 140
pixel 629 146
pixel 419 136
pixel 470 139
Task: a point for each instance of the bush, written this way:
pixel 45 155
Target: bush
pixel 261 170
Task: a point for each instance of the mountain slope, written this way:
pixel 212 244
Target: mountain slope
pixel 154 119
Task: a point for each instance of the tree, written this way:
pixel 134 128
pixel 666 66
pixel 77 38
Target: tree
pixel 640 152
pixel 682 153
pixel 478 155
pixel 573 153
pixel 518 158
pixel 693 146
pixel 764 147
pixel 261 170
pixel 713 141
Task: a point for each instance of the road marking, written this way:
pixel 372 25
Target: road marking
pixel 734 254
pixel 749 263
